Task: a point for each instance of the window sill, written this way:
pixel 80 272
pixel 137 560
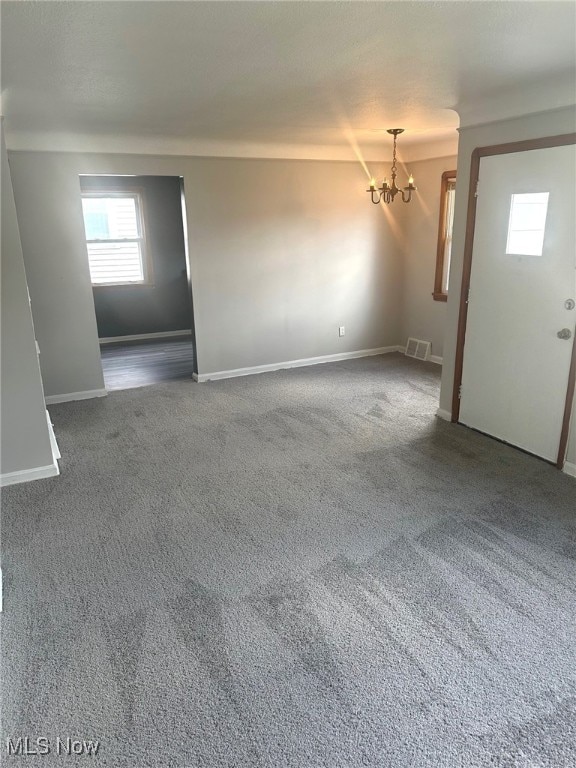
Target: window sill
pixel 440 296
pixel 123 285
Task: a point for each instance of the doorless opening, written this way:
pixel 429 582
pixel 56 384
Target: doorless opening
pixel 139 265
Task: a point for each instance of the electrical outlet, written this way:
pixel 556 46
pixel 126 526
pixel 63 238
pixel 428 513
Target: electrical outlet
pixel 341 330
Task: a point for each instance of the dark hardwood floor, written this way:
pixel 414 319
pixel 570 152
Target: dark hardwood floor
pixel 139 364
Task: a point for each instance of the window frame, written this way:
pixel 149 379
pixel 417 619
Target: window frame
pixel 440 293
pixel 138 194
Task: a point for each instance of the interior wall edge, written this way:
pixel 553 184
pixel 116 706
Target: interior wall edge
pixel 25 438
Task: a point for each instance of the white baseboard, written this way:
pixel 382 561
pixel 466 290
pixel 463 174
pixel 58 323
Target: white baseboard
pixel 200 377
pixel 53 444
pixel 569 468
pixel 26 475
pixel 442 414
pixel 144 336
pixel 87 394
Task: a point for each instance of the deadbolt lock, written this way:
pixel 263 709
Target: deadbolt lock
pixel 565 333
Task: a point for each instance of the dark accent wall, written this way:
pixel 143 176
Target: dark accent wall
pixel 165 305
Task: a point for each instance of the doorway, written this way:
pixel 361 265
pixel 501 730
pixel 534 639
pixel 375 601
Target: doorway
pixel 518 297
pixel 139 266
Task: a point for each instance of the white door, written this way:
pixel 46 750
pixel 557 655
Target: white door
pixel 515 370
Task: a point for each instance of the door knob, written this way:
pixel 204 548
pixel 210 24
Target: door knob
pixel 565 333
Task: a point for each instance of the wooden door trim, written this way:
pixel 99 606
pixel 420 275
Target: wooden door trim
pixel 567 409
pixel 545 142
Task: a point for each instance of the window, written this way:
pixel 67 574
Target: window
pixel 527 223
pixel 444 252
pixel 115 238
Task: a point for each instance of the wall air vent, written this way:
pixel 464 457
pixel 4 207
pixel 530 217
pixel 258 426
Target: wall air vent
pixel 418 349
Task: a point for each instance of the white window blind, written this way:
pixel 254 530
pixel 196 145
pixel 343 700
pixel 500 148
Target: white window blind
pixel 449 226
pixel 115 238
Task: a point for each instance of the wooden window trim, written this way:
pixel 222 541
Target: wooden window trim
pixel 146 258
pixel 439 294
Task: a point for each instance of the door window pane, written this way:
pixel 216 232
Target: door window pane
pixel 527 224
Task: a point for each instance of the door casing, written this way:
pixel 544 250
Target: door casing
pixel 477 155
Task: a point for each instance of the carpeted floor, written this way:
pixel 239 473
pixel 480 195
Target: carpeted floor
pixel 292 570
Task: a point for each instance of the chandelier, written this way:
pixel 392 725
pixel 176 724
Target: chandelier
pixel 387 192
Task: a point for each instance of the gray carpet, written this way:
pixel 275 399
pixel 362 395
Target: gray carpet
pixel 292 570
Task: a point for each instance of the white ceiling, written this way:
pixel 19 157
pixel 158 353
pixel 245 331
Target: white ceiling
pixel 175 76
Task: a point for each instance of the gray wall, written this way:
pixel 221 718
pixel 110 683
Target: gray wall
pixel 281 254
pixel 553 123
pixel 164 304
pixel 284 252
pixel 422 317
pixel 25 441
pixel 52 231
